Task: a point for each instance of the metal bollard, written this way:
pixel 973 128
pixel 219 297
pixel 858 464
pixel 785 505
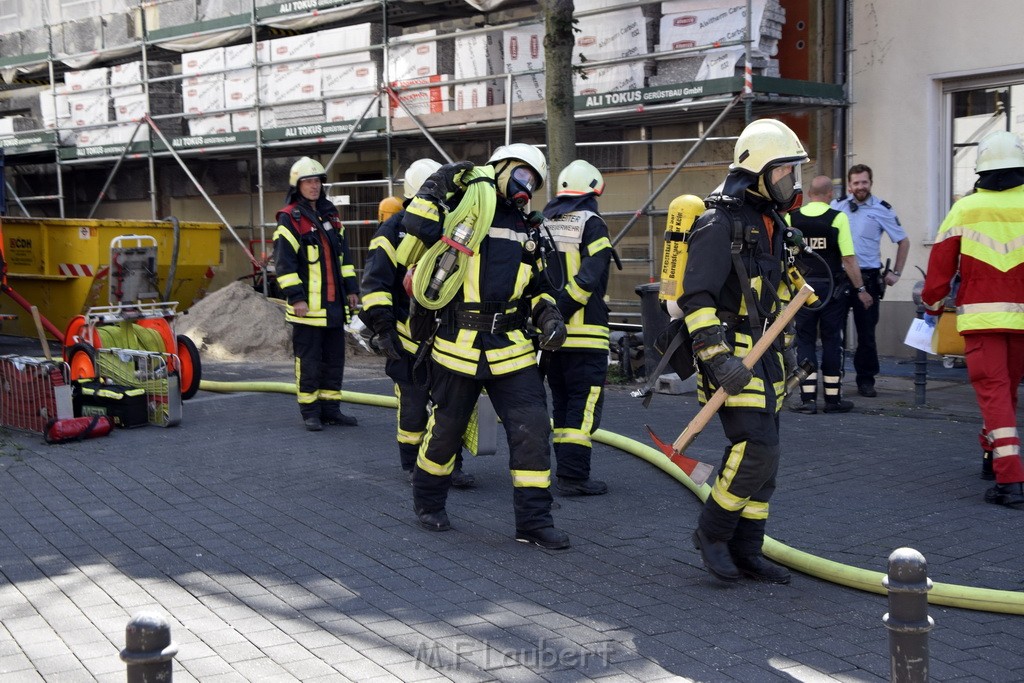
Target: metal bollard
pixel 920 369
pixel 907 619
pixel 148 650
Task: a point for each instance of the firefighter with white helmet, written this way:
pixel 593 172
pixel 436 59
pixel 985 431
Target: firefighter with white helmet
pixel 386 313
pixel 483 332
pixel 576 372
pixel 318 280
pixel 979 241
pixel 735 283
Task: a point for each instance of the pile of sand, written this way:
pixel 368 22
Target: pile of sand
pixel 238 323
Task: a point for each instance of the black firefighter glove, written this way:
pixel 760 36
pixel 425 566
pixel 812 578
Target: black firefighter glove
pixel 726 370
pixel 441 182
pixel 552 327
pixel 385 339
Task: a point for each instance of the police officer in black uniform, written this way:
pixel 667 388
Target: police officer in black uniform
pixel 827 232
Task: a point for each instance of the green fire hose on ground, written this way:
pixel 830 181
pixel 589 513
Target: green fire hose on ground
pixel 946 594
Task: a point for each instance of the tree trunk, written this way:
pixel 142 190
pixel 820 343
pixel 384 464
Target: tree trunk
pixel 559 40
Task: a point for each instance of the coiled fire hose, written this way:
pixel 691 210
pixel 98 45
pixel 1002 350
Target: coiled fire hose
pixel 946 594
pixel 441 271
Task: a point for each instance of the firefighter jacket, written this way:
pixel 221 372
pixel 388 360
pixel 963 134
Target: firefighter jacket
pixel 482 332
pixel 713 289
pixel 385 300
pixel 312 263
pixel 982 235
pixel 827 232
pixel 584 253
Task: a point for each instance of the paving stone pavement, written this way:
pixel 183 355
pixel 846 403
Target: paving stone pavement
pixel 277 554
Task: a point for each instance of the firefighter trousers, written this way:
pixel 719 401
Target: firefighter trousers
pixel 737 508
pixel 413 412
pixel 319 367
pixel 577 398
pixel 995 366
pixel 521 403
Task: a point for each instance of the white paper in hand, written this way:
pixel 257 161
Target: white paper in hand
pixel 919 336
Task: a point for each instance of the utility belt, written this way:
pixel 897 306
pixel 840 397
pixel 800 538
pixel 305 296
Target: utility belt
pixel 495 317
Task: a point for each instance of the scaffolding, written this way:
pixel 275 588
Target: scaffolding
pixel 641 131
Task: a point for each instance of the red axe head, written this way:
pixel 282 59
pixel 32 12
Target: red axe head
pixel 697 471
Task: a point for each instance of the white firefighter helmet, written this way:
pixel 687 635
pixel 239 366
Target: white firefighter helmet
pixel 418 171
pixel 580 178
pixel 528 154
pixel 764 143
pixel 306 168
pixel 1001 149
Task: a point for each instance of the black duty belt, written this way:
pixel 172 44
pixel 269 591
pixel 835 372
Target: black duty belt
pixel 487 317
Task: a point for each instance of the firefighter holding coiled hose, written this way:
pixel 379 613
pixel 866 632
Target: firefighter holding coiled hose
pixel 479 299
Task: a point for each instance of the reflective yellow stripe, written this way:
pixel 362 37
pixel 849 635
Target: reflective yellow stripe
pixel 415 438
pixel 701 318
pixel 431 467
pixel 539 479
pixel 755 509
pixel 382 298
pixel 599 245
pixel 348 270
pixel 424 209
pixel 471 286
pixel 384 244
pixel 288 280
pixel 573 436
pixel 720 489
pixel 329 395
pixel 288 235
pixel 581 342
pixel 576 292
pixel 976 318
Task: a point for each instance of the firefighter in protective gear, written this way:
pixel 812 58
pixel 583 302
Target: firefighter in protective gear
pixel 981 236
pixel 385 312
pixel 827 232
pixel 482 342
pixel 318 280
pixel 576 372
pixel 736 280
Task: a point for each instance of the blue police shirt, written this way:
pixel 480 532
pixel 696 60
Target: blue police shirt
pixel 867 223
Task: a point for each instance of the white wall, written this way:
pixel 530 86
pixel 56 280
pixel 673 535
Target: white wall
pixel 901 52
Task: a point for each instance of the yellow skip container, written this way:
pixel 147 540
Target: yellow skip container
pixel 62 265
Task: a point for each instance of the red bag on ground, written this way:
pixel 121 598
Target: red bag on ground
pixel 77 428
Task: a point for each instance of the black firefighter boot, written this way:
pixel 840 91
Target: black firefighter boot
pixel 716 558
pixel 1008 495
pixel 745 549
pixel 429 494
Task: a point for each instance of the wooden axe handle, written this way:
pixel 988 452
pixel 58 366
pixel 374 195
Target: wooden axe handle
pixel 716 401
pixel 42 333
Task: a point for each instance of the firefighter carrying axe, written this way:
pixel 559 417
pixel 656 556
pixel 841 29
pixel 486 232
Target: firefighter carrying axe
pixel 695 469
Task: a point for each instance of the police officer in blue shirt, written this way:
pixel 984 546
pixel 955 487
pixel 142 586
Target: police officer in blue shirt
pixel 870 218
